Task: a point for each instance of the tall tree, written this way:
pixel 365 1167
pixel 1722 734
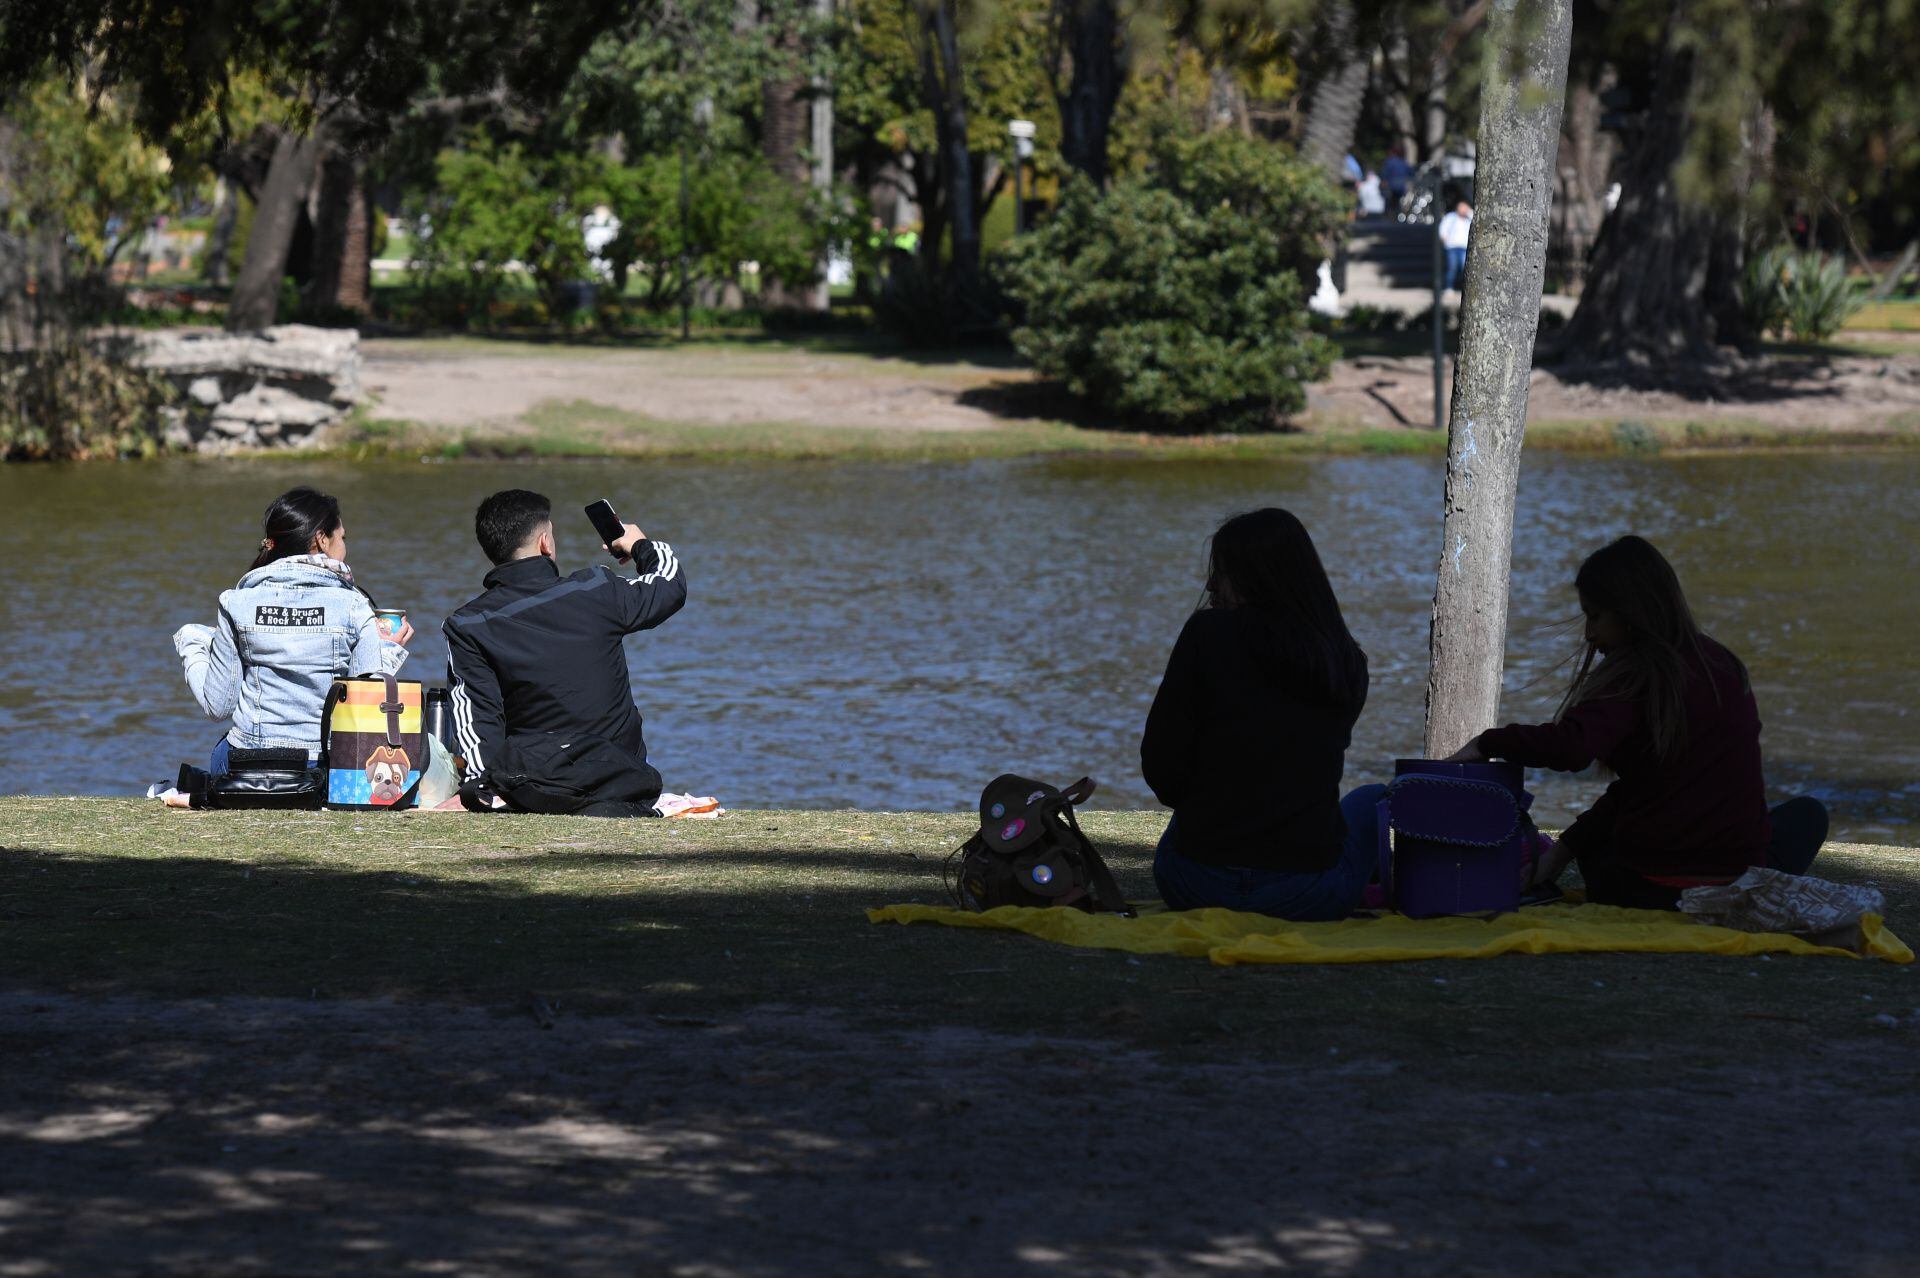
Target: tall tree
pixel 1520 103
pixel 374 56
pixel 1665 278
pixel 1333 106
pixel 1090 38
pixel 786 127
pixel 1741 113
pixel 945 87
pixel 917 89
pixel 276 215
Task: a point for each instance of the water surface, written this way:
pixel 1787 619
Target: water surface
pixel 892 635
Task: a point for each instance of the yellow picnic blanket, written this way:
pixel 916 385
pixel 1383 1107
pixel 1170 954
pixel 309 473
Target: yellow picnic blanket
pixel 1230 936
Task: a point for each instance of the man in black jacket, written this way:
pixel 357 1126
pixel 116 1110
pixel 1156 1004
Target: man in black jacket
pixel 542 706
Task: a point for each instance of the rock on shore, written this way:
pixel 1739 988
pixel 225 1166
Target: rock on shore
pixel 273 389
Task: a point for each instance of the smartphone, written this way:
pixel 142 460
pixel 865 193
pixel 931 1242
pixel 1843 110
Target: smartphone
pixel 607 524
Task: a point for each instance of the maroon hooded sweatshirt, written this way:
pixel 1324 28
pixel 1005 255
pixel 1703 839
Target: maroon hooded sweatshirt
pixel 1697 817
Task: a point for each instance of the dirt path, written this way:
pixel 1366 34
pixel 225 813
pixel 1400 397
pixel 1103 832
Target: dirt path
pixel 465 385
pixel 1844 392
pixel 257 1136
pixel 462 387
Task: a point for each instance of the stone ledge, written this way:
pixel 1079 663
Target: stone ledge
pixel 277 388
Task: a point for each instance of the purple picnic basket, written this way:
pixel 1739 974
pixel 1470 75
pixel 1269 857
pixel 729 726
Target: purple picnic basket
pixel 1454 837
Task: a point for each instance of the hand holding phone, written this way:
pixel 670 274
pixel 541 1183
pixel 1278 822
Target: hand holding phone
pixel 612 530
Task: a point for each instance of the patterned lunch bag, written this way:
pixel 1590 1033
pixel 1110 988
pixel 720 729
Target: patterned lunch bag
pixel 373 743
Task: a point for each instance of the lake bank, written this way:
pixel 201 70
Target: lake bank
pixel 466 397
pixel 298 1042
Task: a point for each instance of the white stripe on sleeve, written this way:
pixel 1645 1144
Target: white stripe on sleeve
pixel 463 727
pixel 666 567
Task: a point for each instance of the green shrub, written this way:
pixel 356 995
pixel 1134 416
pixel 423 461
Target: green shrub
pixel 497 207
pixel 497 210
pixel 1763 289
pixel 1805 295
pixel 738 211
pixel 67 401
pixel 1178 300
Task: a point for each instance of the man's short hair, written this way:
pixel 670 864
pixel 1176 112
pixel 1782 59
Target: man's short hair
pixel 508 520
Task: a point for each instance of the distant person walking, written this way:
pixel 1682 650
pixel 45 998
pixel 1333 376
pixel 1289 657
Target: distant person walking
pixel 1456 228
pixel 1397 174
pixel 1372 203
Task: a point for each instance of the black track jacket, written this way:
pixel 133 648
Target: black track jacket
pixel 538 652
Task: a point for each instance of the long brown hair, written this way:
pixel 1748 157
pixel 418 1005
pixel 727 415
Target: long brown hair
pixel 1634 582
pixel 1264 561
pixel 295 519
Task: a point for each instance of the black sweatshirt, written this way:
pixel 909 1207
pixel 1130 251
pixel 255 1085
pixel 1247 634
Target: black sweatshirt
pixel 538 652
pixel 1247 754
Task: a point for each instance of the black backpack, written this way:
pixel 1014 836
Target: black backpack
pixel 1030 851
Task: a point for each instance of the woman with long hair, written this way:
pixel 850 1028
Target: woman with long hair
pixel 295 622
pixel 1247 737
pixel 1671 714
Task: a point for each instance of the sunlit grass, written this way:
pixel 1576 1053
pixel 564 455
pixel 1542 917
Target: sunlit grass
pixel 578 428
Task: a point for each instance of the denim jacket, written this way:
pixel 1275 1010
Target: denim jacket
pixel 284 634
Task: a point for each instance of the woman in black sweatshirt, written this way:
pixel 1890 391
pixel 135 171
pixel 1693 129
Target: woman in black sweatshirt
pixel 1248 734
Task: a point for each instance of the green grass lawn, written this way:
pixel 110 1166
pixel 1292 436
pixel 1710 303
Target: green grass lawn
pixel 699 919
pixel 585 429
pixel 1898 314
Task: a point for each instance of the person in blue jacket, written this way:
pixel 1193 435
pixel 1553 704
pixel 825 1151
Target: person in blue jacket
pixel 293 624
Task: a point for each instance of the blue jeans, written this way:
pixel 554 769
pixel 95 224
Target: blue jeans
pixel 220 762
pixel 1311 896
pixel 1456 267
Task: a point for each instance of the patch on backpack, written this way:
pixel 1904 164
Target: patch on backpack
pixel 275 615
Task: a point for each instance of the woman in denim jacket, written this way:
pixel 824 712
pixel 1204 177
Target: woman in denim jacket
pixel 293 624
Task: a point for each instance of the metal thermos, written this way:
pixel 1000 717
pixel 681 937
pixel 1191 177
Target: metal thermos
pixel 439 713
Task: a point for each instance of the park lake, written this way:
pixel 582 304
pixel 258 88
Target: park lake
pixel 890 635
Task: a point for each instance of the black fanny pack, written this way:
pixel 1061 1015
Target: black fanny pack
pixel 255 779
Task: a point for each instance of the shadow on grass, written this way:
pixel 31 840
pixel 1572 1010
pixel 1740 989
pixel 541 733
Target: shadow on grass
pixel 775 1086
pixel 706 930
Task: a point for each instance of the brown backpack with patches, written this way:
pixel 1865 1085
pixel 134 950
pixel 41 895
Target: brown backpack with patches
pixel 1030 851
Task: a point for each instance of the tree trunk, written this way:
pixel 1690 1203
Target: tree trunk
pixel 256 295
pixel 1333 109
pixel 1396 91
pixel 785 128
pixel 1435 113
pixel 1095 42
pixel 1525 84
pixel 930 197
pixel 14 269
pixel 1581 205
pixel 1664 281
pixel 214 268
pixel 356 254
pixel 946 96
pixel 341 262
pixel 821 298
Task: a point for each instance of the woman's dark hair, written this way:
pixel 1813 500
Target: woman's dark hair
pixel 1633 582
pixel 1264 562
pixel 295 518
